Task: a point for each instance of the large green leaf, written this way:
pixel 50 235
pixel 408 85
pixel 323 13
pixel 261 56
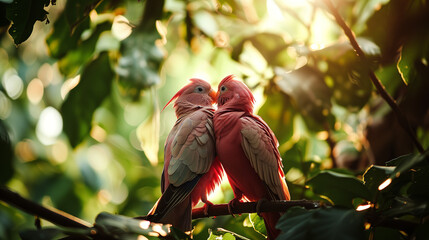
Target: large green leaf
pixel 23 14
pixel 374 176
pixel 268 44
pixel 278 113
pixel 340 188
pixel 72 61
pixel 323 223
pixel 94 86
pixel 42 234
pixel 308 90
pixel 6 170
pixel 413 53
pixel 407 162
pixel 258 223
pixel 349 75
pixel 408 17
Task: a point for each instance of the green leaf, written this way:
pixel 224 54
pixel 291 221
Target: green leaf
pixel 258 223
pixel 139 63
pixel 78 11
pixel 94 86
pixel 42 234
pixel 62 39
pixel 23 14
pixel 72 62
pixel 413 53
pixel 308 90
pixel 349 76
pixel 406 206
pixel 268 44
pixel 323 223
pixel 121 227
pixel 374 176
pixel 408 162
pixel 340 188
pixel 226 236
pixel 278 113
pixel 386 233
pixel 6 170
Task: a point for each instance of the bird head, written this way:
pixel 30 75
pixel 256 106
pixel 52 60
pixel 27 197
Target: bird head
pixel 197 92
pixel 233 93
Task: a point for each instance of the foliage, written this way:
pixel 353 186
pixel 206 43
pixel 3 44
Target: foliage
pixel 78 97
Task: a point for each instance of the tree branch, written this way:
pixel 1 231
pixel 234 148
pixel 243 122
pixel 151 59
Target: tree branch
pixel 377 83
pixel 54 216
pixel 250 207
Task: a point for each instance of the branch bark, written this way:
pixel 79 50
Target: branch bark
pixel 377 83
pixel 250 207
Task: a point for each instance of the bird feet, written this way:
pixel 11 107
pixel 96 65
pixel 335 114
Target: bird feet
pixel 231 205
pixel 259 204
pixel 207 205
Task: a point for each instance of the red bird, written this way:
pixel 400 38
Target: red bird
pixel 247 149
pixel 191 169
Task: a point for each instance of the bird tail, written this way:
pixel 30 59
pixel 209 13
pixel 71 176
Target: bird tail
pixel 180 216
pixel 270 220
pixel 175 206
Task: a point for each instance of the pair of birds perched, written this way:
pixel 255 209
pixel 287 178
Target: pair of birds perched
pixel 203 143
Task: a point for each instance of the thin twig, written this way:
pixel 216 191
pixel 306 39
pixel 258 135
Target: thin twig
pixel 377 83
pixel 250 207
pixel 54 216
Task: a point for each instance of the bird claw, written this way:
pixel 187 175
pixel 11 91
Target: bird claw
pixel 231 206
pixel 207 205
pixel 259 204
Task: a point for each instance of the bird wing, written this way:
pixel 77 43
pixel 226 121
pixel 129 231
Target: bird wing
pixel 260 147
pixel 192 149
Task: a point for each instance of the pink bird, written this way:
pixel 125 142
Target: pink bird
pixel 191 169
pixel 247 149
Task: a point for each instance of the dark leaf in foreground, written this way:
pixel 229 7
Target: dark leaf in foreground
pixel 323 223
pixel 23 14
pixel 340 188
pixel 6 170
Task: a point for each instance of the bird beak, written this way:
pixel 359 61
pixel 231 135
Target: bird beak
pixel 213 95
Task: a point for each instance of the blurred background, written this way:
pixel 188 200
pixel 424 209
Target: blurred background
pixel 83 82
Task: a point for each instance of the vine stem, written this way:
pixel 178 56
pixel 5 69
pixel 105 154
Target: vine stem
pixel 377 83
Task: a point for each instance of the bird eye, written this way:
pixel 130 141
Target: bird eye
pixel 199 89
pixel 222 88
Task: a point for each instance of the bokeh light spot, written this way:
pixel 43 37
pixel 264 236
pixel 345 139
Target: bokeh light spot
pixel 5 106
pixel 12 83
pixel 35 90
pixel 59 151
pixel 46 74
pixel 49 126
pixel 24 151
